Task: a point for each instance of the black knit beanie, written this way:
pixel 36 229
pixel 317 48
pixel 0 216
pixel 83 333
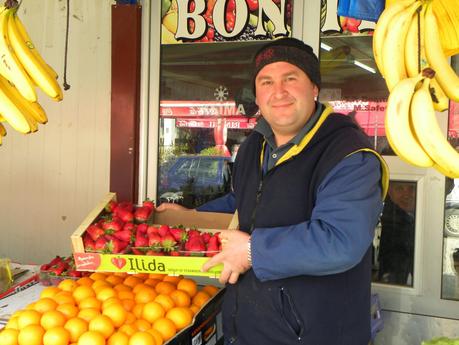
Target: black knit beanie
pixel 290 50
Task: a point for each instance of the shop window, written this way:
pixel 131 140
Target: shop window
pixel 450 281
pixel 352 84
pixel 393 245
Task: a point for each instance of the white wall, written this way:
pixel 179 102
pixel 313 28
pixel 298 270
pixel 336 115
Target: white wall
pixel 51 179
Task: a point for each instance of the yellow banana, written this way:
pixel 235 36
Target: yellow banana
pixel 10 67
pixel 445 172
pixel 416 60
pixel 29 109
pixel 444 74
pixel 393 50
pixel 448 21
pixel 36 70
pixel 22 30
pixel 398 128
pixel 429 133
pixel 382 27
pixel 12 114
pixel 2 130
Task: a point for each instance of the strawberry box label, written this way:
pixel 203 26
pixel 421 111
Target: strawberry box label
pixel 171 265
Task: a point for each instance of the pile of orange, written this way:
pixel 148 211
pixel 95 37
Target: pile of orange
pixel 108 308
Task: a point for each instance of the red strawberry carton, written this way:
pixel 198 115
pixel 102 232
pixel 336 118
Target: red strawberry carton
pixel 152 248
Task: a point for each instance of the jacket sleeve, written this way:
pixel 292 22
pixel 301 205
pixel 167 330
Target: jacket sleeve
pixel 340 231
pixel 224 204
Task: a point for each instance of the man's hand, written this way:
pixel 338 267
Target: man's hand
pixel 170 206
pixel 233 256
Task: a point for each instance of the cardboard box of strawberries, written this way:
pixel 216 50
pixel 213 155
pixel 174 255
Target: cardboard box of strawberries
pixel 58 269
pixel 123 237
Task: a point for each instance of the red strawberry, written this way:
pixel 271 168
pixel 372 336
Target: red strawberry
pixel 115 246
pixel 214 240
pixel 137 251
pixel 193 232
pixel 88 243
pixel 212 250
pixel 149 203
pixel 125 215
pixel 152 230
pixel 163 230
pixel 129 226
pixel 112 225
pixel 95 231
pixel 168 242
pixel 180 235
pixel 111 206
pixel 142 228
pixel 154 241
pixel 140 241
pixel 74 273
pixel 123 235
pixel 141 214
pixel 154 253
pixel 206 237
pixel 174 253
pixel 100 243
pixel 125 205
pixel 195 244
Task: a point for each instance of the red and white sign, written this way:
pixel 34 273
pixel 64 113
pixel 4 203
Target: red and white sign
pixel 196 108
pixel 233 123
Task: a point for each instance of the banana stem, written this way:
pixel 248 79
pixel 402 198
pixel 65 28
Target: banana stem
pixel 11 3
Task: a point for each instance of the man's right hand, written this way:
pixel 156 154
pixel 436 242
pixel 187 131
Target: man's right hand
pixel 171 206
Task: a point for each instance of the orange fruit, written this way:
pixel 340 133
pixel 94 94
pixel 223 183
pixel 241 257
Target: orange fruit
pixel 152 311
pixel 180 316
pixel 122 287
pixel 128 329
pixel 85 281
pixel 200 298
pixel 68 309
pixel 114 280
pixel 142 276
pixel 165 327
pixel 45 304
pixel 118 338
pixel 52 318
pixel 139 287
pixel 99 283
pixel 110 301
pixel 132 281
pixel 188 285
pixel 102 324
pixel 128 304
pixel 90 302
pixel 158 337
pixel 98 276
pixel 30 306
pixel 67 285
pixel 116 313
pixel 145 295
pixel 76 327
pixel 130 318
pixel 105 293
pixel 63 297
pixel 31 335
pixel 82 292
pixel 91 338
pixel 165 287
pixel 49 291
pixel 141 325
pixel 88 314
pixel 180 298
pixel 126 294
pixel 56 336
pixel 12 323
pixel 137 310
pixel 9 337
pixel 166 301
pixel 173 279
pixel 210 289
pixel 28 317
pixel 151 282
pixel 194 309
pixel 142 338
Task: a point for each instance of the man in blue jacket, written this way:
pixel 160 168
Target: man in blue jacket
pixel 308 190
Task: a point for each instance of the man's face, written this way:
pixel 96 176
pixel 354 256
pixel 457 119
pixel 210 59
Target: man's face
pixel 404 195
pixel 286 97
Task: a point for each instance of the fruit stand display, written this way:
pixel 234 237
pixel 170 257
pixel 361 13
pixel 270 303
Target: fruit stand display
pixel 170 242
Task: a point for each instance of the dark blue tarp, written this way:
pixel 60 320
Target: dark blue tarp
pixel 361 9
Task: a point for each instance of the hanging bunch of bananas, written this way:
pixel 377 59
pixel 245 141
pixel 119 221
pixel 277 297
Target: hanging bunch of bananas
pixel 409 55
pixel 22 69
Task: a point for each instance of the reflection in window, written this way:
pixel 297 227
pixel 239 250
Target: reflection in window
pixel 450 281
pixel 395 235
pixel 352 84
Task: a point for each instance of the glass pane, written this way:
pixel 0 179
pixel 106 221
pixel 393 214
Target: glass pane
pixel 395 235
pixel 352 84
pixel 450 281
